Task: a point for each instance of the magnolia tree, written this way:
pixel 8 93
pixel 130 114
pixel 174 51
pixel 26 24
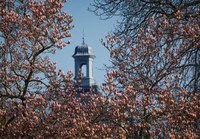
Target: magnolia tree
pixel 36 99
pixel 146 83
pixel 155 74
pixel 28 80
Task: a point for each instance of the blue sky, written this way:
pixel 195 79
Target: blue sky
pixel 94 30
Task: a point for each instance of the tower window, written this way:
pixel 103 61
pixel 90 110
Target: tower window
pixel 84 70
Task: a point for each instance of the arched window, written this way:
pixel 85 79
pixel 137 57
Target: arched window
pixel 84 70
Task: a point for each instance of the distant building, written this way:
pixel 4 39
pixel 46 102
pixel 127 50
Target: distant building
pixel 83 58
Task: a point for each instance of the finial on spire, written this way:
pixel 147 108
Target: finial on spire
pixel 83 37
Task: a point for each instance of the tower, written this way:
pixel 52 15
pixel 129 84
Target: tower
pixel 83 58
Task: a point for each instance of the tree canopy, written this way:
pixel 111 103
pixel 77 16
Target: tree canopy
pixel 151 89
pixel 136 14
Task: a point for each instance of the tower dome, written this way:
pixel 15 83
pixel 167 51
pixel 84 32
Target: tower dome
pixel 83 50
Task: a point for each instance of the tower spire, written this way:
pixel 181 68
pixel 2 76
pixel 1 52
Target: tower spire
pixel 83 37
